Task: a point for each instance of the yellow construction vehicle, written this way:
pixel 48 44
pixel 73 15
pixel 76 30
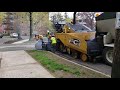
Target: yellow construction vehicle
pixel 73 38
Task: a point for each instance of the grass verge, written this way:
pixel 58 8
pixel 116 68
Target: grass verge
pixel 60 68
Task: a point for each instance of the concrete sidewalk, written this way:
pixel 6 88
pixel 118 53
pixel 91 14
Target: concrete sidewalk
pixel 18 64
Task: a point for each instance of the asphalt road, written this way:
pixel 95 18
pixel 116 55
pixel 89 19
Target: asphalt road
pixel 29 45
pixel 7 38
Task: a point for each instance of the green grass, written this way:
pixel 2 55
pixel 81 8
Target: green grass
pixel 51 64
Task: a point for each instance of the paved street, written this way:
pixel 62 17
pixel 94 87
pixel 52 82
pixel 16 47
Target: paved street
pixel 18 64
pixel 7 38
pixel 29 45
pixel 15 47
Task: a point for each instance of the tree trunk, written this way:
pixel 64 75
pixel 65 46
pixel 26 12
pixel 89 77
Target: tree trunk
pixel 116 58
pixel 30 26
pixel 19 33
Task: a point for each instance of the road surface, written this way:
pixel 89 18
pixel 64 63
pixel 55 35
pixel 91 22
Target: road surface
pixel 7 38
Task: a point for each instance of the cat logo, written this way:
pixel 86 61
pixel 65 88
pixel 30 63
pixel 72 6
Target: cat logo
pixel 75 42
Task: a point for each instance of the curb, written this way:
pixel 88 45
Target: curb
pixel 82 65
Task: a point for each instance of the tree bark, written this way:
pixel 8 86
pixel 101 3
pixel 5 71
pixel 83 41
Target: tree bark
pixel 116 57
pixel 19 33
pixel 17 25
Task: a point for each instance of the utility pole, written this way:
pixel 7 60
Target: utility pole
pixel 74 17
pixel 116 57
pixel 31 30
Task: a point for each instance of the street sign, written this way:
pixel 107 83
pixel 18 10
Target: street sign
pixel 117 24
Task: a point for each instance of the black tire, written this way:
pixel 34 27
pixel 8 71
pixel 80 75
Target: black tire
pixel 108 60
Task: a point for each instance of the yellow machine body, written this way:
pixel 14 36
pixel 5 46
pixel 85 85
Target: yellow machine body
pixel 75 40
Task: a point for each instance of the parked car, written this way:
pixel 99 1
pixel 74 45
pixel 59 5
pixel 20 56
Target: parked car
pixel 14 35
pixel 1 35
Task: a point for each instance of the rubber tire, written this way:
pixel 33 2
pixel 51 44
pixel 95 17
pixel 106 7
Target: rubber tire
pixel 106 49
pixel 82 56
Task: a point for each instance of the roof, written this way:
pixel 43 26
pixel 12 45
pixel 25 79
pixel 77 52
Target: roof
pixel 106 15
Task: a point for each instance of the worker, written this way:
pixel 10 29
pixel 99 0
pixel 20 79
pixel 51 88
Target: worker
pixel 37 37
pixel 40 36
pixel 45 42
pixel 53 43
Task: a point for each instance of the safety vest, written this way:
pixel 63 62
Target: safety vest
pixel 53 40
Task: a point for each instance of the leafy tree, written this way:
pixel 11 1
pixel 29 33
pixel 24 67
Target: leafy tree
pixel 88 17
pixel 65 15
pixel 41 22
pixel 57 17
pixel 2 15
pixel 51 27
